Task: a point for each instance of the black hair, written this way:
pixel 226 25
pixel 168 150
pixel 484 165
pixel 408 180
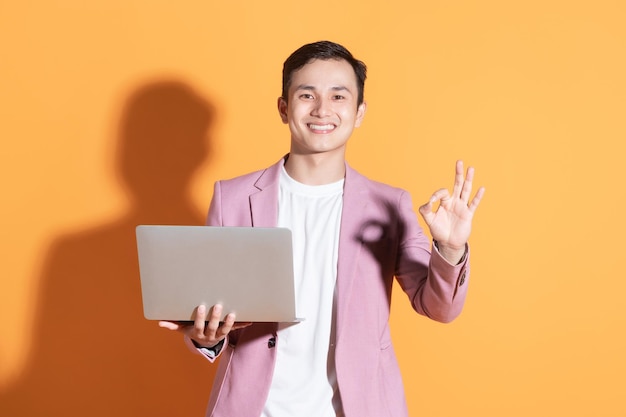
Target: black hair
pixel 323 50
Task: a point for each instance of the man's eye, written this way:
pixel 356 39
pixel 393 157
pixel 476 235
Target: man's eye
pixel 338 97
pixel 306 96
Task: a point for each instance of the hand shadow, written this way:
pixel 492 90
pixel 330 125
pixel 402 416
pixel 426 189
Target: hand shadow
pixel 93 353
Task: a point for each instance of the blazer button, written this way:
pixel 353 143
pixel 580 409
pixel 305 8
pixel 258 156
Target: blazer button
pixel 271 342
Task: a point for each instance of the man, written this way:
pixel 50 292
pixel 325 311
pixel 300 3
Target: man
pixel 351 236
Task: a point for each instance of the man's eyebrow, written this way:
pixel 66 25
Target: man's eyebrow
pixel 308 87
pixel 341 88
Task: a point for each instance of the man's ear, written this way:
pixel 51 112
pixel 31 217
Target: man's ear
pixel 282 109
pixel 360 114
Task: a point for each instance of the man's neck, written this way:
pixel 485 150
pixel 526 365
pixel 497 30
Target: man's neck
pixel 318 169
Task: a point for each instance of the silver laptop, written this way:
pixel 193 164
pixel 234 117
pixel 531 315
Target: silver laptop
pixel 248 270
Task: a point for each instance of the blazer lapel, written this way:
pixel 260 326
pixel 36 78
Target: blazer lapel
pixel 264 202
pixel 350 244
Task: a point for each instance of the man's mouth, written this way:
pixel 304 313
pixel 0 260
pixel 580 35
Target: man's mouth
pixel 321 128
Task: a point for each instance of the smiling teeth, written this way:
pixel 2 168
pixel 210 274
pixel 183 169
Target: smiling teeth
pixel 322 127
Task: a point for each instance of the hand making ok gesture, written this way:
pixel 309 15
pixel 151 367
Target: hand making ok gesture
pixel 450 223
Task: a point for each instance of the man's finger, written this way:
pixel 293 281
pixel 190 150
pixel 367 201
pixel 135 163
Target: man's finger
pixel 458 179
pixel 226 326
pixel 169 325
pixel 476 200
pixel 211 324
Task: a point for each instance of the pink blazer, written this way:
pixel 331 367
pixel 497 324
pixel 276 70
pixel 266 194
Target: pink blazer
pixel 379 239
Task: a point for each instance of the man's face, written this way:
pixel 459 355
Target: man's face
pixel 321 108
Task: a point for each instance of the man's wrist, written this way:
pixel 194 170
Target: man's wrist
pixel 454 256
pixel 209 351
pixel 201 346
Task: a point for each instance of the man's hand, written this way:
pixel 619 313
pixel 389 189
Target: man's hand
pixel 450 223
pixel 207 329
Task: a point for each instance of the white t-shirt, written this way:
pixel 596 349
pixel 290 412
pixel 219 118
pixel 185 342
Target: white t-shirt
pixel 304 381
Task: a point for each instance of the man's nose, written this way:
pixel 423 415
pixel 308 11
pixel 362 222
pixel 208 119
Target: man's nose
pixel 322 108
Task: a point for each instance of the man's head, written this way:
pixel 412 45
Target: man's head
pixel 324 50
pixel 322 102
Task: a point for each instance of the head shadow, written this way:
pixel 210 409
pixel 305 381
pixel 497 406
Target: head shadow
pixel 91 350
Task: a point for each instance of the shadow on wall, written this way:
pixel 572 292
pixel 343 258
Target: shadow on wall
pixel 93 352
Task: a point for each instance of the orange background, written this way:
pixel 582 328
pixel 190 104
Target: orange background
pixel 115 113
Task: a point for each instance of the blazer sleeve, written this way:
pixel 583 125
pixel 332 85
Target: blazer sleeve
pixel 214 218
pixel 436 288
